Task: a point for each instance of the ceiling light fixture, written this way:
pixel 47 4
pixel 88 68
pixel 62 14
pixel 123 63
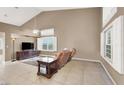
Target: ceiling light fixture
pixel 35 31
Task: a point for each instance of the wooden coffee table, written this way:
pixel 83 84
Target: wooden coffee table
pixel 50 66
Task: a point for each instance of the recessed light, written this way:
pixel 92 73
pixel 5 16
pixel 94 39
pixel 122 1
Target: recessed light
pixel 16 7
pixel 5 15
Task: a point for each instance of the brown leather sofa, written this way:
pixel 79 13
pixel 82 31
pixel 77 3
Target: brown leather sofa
pixel 61 59
pixel 64 56
pixel 73 52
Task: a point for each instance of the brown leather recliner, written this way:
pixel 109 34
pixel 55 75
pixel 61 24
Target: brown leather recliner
pixel 73 52
pixel 63 57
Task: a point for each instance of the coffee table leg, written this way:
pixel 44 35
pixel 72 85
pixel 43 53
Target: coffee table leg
pixel 48 71
pixel 38 73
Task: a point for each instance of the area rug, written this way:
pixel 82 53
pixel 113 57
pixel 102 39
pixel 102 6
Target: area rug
pixel 33 63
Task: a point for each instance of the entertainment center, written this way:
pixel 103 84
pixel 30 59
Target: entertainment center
pixel 27 51
pixel 20 55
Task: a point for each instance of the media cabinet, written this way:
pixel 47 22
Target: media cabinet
pixel 20 55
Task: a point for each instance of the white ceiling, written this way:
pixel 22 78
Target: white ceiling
pixel 20 15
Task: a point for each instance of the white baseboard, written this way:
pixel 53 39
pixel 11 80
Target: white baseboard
pixel 113 81
pixel 84 59
pixel 91 60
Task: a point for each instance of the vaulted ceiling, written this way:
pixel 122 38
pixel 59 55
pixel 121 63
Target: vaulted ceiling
pixel 20 15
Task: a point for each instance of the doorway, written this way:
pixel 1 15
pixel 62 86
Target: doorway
pixel 2 47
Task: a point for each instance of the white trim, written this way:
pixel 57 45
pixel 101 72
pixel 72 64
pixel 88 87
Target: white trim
pixel 97 61
pixel 117 45
pixel 40 44
pixel 112 66
pixel 107 16
pixel 84 59
pixel 113 81
pixel 2 36
pixel 47 32
pixel 122 44
pixel 103 49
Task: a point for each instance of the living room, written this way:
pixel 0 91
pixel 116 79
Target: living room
pixel 54 19
pixel 42 33
pixel 61 46
pixel 56 23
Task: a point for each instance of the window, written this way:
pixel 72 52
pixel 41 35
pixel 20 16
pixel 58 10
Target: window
pixel 47 42
pixel 0 43
pixel 112 44
pixel 47 32
pixel 108 48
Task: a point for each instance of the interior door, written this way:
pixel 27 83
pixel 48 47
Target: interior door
pixel 2 47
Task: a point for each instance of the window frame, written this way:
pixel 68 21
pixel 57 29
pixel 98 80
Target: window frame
pixel 49 32
pixel 1 46
pixel 109 30
pixel 55 49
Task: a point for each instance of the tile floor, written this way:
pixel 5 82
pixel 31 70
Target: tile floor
pixel 73 73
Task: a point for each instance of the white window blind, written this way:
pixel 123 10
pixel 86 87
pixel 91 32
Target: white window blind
pixel 47 41
pixel 47 32
pixel 108 49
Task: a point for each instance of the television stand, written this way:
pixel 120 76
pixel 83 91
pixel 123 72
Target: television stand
pixel 20 55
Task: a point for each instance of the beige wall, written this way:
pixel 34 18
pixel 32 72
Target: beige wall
pixel 79 28
pixel 9 29
pixel 119 78
pixel 18 43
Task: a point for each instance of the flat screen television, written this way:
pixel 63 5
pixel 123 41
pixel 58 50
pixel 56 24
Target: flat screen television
pixel 27 46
